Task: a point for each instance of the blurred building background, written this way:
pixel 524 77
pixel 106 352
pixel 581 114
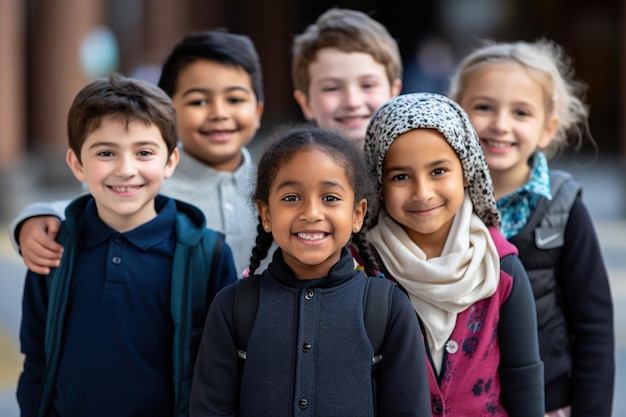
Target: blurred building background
pixel 49 49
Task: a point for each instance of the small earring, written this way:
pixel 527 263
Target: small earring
pixel 265 226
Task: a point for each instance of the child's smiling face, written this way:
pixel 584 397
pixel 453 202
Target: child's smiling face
pixel 345 90
pixel 124 166
pixel 217 112
pixel 311 212
pixel 507 107
pixel 423 187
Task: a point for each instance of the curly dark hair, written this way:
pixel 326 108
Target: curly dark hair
pixel 286 142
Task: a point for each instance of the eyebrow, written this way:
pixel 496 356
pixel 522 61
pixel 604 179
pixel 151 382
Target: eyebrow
pixel 338 78
pixel 428 165
pixel 325 184
pixel 494 100
pixel 227 90
pixel 116 145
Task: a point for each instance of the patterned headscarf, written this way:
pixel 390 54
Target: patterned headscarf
pixel 433 111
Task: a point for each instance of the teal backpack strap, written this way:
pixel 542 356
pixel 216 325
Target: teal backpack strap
pixel 377 309
pixel 192 273
pixel 549 234
pixel 213 239
pixel 58 291
pixel 200 288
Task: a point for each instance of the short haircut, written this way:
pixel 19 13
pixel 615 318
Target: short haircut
pixel 219 46
pixel 349 31
pixel 124 99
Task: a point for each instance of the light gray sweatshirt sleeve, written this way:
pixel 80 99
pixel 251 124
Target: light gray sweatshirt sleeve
pixel 55 208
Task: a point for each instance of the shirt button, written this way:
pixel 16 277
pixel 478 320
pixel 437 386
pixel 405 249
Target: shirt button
pixel 309 294
pixel 437 405
pixel 116 260
pixel 228 206
pixel 452 347
pixel 303 403
pixel 306 347
pixel 118 240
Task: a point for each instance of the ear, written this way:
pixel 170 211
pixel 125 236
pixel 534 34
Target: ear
pixel 548 132
pixel 259 113
pixel 359 215
pixel 303 101
pixel 264 213
pixel 75 165
pixel 170 166
pixel 396 87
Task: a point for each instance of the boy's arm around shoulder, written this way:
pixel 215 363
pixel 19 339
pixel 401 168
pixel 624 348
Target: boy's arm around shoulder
pixel 39 209
pixel 215 385
pixel 521 369
pixel 403 385
pixel 35 229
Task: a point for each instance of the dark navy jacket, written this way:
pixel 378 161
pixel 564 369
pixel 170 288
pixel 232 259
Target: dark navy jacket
pixel 48 307
pixel 309 353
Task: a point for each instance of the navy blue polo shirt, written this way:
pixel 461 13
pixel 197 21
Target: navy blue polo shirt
pixel 117 347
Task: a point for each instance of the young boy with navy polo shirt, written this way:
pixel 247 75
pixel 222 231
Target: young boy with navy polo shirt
pixel 215 81
pixel 110 331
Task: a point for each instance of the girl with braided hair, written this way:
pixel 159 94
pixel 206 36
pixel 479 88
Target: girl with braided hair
pixel 308 352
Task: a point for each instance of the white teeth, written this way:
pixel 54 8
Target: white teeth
pixel 497 144
pixel 125 189
pixel 306 236
pixel 351 118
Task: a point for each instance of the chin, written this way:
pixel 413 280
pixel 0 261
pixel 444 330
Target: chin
pixel 357 138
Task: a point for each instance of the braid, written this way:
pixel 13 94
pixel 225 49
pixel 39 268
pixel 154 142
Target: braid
pixel 262 246
pixel 370 264
pixel 284 145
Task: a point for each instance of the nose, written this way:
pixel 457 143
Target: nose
pixel 352 97
pixel 311 211
pixel 500 122
pixel 125 166
pixel 217 110
pixel 422 190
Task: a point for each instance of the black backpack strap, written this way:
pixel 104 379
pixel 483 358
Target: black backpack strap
pixel 377 309
pixel 245 307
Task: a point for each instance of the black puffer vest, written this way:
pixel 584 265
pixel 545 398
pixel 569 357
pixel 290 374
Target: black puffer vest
pixel 540 244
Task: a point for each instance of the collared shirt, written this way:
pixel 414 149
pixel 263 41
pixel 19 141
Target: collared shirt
pixel 119 320
pixel 225 198
pixel 517 207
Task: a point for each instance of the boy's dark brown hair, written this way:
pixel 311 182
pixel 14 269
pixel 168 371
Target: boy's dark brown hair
pixel 125 100
pixel 349 31
pixel 229 49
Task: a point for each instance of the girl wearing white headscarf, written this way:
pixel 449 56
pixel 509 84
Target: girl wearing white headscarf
pixel 471 292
